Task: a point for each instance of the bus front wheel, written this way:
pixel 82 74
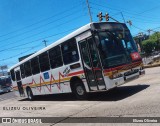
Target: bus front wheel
pixel 79 91
pixel 30 94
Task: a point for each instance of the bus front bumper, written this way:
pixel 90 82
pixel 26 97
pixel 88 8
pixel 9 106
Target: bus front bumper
pixel 134 76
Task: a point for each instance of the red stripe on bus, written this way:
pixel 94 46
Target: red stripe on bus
pixel 75 73
pixel 122 66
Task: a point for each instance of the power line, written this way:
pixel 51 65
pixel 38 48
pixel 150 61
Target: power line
pixel 152 21
pixel 119 13
pixel 152 29
pixel 18 54
pixel 112 8
pixel 144 22
pixel 31 47
pixel 142 19
pixel 122 10
pixel 38 27
pixel 138 27
pixel 13 47
pixel 42 31
pixel 41 20
pixel 92 3
pixel 149 9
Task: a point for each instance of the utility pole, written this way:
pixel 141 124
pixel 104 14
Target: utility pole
pixel 149 31
pixel 123 17
pixel 45 43
pixel 89 11
pixel 140 36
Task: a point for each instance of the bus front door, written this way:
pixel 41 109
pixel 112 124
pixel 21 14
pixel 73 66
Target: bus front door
pixel 91 64
pixel 19 83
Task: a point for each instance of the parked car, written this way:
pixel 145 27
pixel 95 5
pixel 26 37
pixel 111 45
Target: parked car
pixel 5 84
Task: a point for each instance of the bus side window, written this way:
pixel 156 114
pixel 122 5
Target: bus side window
pixel 22 71
pixel 44 62
pixel 27 68
pixel 12 75
pixel 35 66
pixel 18 77
pixel 69 51
pixel 55 57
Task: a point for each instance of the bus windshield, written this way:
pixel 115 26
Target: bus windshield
pixel 115 47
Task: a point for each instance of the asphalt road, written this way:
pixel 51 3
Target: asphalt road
pixel 139 98
pixel 5 96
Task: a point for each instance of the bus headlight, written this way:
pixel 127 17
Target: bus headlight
pixel 116 75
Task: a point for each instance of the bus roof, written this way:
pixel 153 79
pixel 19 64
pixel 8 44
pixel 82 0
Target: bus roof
pixel 69 36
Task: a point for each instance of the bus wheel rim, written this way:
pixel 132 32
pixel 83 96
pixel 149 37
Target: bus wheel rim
pixel 29 94
pixel 80 90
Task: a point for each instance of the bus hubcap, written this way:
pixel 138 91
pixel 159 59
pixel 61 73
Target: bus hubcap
pixel 80 90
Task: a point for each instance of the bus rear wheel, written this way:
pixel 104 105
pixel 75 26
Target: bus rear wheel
pixel 79 91
pixel 30 94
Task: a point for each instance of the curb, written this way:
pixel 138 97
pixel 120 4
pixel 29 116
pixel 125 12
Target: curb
pixel 150 66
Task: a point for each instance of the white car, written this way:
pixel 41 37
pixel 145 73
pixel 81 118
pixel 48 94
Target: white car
pixel 5 89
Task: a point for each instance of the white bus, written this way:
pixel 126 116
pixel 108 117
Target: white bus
pixel 96 57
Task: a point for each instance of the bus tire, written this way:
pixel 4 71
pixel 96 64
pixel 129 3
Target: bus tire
pixel 30 94
pixel 79 91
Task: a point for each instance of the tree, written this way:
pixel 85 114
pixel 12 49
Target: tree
pixel 152 44
pixel 148 46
